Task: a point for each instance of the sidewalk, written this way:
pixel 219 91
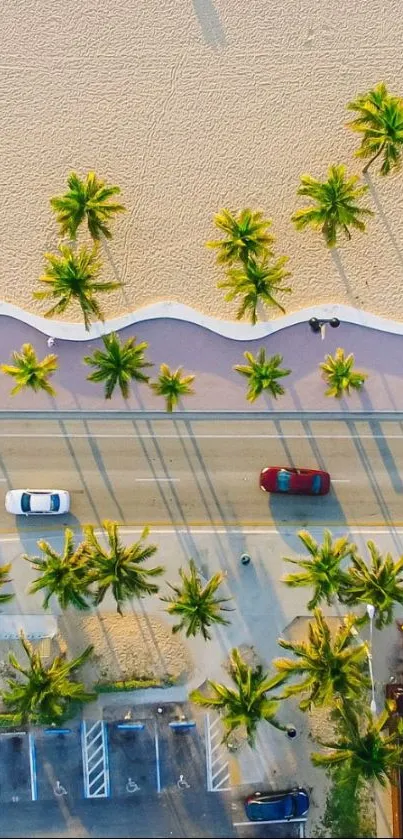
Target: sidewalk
pixel 211 358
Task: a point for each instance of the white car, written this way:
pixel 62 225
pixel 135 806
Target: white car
pixel 36 502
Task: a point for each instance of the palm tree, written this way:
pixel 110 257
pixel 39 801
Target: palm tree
pixel 29 372
pixel 337 205
pixel 86 199
pixel 172 385
pixel 71 277
pixel 367 751
pixel 321 572
pixel 64 575
pixel 119 364
pixel 256 282
pixel 118 567
pixel 49 693
pixel 380 584
pixel 339 374
pixel 262 374
pixel 195 603
pixel 331 667
pixel 4 578
pixel 380 122
pixel 246 704
pixel 246 235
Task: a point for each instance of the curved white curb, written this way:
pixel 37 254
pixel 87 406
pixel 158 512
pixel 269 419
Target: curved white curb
pixel 178 311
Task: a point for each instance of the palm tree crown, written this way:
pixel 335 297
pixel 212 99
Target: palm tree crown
pixel 257 282
pixel 262 374
pixel 322 571
pixel 337 206
pixel 331 667
pixel 339 374
pixel 195 603
pixel 63 575
pixel 172 385
pixel 380 584
pixel 4 578
pixel 72 276
pixel 246 704
pixel 86 199
pixel 118 364
pixel 368 752
pixel 29 372
pixel 118 567
pixel 49 694
pixel 380 122
pixel 246 235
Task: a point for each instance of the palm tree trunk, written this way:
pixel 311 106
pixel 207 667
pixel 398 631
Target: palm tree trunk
pixel 367 165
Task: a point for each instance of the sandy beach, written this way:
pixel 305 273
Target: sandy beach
pixel 189 108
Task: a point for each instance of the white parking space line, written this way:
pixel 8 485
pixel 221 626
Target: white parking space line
pixel 157 757
pixel 280 821
pixel 32 767
pixel 216 757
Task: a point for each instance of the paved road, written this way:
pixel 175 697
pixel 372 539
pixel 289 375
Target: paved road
pixel 204 472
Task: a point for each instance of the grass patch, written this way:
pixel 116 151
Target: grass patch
pixel 133 684
pixel 349 808
pixel 9 721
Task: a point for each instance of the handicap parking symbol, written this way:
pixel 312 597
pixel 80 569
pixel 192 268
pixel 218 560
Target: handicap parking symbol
pixel 181 783
pixel 131 786
pixel 59 789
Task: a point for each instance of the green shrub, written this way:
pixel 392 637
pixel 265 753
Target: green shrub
pixel 133 684
pixel 9 721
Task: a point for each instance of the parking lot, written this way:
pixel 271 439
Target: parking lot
pixel 157 759
pixel 58 758
pixel 133 766
pixel 15 768
pixel 144 752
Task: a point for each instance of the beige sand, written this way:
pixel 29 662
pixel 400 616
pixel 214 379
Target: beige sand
pixel 190 107
pixel 128 647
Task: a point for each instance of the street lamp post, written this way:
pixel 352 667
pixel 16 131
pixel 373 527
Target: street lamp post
pixel 368 647
pixel 371 613
pixel 319 324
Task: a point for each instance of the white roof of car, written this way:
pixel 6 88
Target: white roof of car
pixel 40 502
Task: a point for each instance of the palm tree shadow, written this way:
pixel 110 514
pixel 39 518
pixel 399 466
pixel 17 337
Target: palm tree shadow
pixel 98 458
pixel 373 481
pixel 116 274
pixel 383 217
pixel 182 530
pixel 336 257
pixel 210 23
pixel 108 641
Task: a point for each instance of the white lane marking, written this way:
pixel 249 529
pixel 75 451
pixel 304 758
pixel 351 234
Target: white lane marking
pixel 340 480
pixel 196 436
pixel 250 531
pixel 3 480
pixel 141 480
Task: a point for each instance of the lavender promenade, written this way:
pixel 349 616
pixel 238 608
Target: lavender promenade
pixel 211 357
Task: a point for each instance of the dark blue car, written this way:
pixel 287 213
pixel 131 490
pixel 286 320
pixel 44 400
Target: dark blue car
pixel 277 806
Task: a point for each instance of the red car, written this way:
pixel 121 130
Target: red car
pixel 294 481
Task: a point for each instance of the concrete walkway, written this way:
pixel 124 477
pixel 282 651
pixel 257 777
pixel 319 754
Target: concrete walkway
pixel 211 358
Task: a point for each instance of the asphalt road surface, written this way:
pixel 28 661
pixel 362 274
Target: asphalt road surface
pixel 206 472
